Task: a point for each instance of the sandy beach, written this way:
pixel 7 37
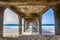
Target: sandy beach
pixel 10 34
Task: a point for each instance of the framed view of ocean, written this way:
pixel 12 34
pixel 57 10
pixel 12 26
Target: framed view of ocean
pixel 10 24
pixel 30 27
pixel 48 23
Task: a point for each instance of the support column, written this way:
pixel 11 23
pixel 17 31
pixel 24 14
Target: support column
pixel 57 19
pixel 20 26
pixel 1 20
pixel 25 25
pixel 40 28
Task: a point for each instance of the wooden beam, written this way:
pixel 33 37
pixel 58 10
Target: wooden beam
pixel 26 3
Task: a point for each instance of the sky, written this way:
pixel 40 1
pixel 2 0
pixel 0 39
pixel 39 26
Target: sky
pixel 11 18
pixel 48 17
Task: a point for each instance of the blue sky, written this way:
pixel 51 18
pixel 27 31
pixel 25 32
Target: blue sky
pixel 48 17
pixel 11 18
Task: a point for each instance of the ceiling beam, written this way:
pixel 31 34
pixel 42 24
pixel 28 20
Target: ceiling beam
pixel 25 3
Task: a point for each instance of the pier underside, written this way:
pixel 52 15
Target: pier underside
pixel 32 12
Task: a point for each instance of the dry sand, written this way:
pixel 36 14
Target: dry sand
pixel 10 35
